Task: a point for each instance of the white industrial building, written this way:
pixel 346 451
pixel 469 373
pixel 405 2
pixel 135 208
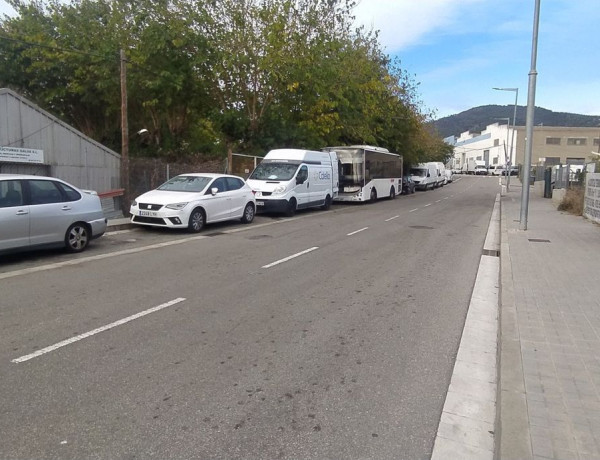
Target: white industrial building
pixel 498 144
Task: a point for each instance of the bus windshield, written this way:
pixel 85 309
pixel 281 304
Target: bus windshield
pixel 274 171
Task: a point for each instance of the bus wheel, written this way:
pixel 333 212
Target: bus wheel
pixel 373 197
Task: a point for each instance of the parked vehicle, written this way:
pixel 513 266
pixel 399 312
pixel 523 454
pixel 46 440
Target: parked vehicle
pixel 368 173
pixel 449 176
pixel 38 211
pixel 473 166
pixel 441 173
pixel 424 175
pixel 408 185
pixel 192 200
pixel 291 179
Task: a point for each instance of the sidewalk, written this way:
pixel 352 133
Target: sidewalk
pixel 549 387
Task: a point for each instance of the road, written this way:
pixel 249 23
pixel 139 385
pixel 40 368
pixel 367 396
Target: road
pixel 332 334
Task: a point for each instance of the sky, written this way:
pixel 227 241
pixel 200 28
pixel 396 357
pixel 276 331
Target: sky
pixel 458 50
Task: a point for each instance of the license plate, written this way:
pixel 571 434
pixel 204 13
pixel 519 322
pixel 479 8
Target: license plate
pixel 260 203
pixel 148 213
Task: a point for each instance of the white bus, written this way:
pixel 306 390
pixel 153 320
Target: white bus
pixel 367 173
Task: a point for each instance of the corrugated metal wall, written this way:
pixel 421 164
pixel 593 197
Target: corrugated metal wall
pixel 68 153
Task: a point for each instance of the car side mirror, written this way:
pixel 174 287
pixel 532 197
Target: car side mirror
pixel 214 191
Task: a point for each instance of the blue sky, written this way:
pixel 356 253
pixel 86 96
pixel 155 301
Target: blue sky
pixel 458 50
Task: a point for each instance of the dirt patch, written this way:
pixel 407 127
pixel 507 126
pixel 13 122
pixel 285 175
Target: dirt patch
pixel 573 201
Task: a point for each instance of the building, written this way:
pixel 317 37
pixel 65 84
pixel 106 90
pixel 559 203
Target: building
pixel 498 145
pixel 32 141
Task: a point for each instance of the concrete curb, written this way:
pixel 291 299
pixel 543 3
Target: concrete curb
pixel 467 424
pixel 513 422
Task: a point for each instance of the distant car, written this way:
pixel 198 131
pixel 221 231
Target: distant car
pixel 408 185
pixel 190 201
pixel 38 212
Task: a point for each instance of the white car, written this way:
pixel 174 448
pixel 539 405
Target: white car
pixel 38 211
pixel 193 200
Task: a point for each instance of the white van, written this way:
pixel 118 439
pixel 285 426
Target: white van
pixel 291 179
pixel 441 173
pixel 424 176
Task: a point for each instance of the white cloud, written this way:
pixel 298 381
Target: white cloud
pixel 406 22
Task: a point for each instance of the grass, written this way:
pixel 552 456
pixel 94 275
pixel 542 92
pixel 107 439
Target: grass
pixel 573 201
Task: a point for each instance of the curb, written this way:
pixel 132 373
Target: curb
pixel 512 419
pixel 468 421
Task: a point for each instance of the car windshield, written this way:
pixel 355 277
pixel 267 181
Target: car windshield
pixel 186 184
pixel 274 171
pixel 418 172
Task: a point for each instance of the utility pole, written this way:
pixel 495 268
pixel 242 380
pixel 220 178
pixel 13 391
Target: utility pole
pixel 124 137
pixel 529 123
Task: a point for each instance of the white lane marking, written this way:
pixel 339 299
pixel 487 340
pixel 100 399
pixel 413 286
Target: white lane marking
pixel 85 335
pixel 446 197
pixel 413 210
pixel 357 231
pixel 392 218
pixel 40 268
pixel 118 232
pixel 437 201
pixel 428 204
pixel 277 262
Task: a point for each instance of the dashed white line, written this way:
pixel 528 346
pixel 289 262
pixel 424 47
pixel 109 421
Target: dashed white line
pixel 428 204
pixel 437 201
pixel 280 261
pixel 413 210
pixel 392 218
pixel 357 231
pixel 85 335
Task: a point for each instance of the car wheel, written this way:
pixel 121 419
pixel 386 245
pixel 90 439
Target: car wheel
pixel 197 220
pixel 291 208
pixel 327 203
pixel 373 197
pixel 248 215
pixel 392 193
pixel 77 237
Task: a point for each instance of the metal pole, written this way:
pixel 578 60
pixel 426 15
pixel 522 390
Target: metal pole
pixel 512 142
pixel 529 124
pixel 124 136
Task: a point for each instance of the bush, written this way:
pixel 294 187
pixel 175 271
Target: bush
pixel 573 201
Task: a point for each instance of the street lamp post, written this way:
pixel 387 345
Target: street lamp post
pixel 512 142
pixel 506 157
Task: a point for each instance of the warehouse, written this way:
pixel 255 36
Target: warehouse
pixel 32 141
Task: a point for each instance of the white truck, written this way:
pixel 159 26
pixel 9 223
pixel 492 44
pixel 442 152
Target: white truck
pixel 291 179
pixel 473 166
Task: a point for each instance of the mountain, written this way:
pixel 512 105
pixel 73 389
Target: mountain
pixel 477 118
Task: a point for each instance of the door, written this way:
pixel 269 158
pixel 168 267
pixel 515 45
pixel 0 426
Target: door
pixel 302 188
pixel 238 197
pixel 51 212
pixel 14 215
pixel 217 206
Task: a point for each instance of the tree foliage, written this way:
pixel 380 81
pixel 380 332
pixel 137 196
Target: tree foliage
pixel 215 76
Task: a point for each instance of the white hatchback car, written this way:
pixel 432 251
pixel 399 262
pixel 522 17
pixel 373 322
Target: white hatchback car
pixel 193 200
pixel 38 211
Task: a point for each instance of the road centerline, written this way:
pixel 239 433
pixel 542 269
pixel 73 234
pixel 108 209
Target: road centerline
pixel 85 335
pixel 293 256
pixel 357 231
pixel 392 218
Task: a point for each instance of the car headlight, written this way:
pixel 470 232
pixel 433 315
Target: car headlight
pixel 134 203
pixel 279 190
pixel 176 206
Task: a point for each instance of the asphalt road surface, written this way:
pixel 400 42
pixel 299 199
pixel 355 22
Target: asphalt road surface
pixel 330 335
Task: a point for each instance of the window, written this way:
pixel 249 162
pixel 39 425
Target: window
pixel 234 184
pixel 495 160
pixel 576 141
pixel 596 141
pixel 496 142
pixel 219 183
pixel 11 193
pixel 302 175
pixel 44 192
pixel 553 141
pixel 69 192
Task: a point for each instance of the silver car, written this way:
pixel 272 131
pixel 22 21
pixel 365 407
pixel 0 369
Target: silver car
pixel 38 211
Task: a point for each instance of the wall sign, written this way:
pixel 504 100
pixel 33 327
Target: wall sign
pixel 19 155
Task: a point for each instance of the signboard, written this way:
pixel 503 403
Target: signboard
pixel 591 206
pixel 19 155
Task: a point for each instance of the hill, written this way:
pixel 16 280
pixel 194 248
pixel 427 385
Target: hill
pixel 477 118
